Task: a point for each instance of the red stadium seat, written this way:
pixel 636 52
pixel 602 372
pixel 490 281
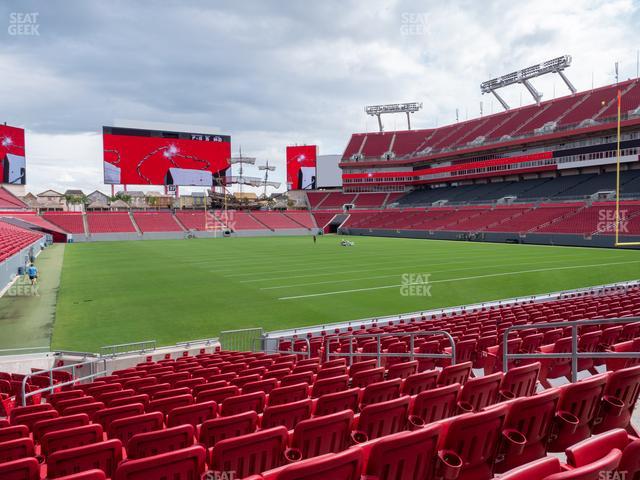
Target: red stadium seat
pixel 337 402
pixel 23 469
pixel 287 415
pixel 250 454
pixel 474 438
pixel 458 373
pixel 381 391
pixel 88 409
pixel 366 377
pixel 418 382
pixel 160 441
pixel 217 429
pixel 591 450
pixel 384 418
pixel 105 416
pixel 361 366
pixel 402 370
pixel 43 427
pixel 243 403
pixel 436 404
pixel 320 435
pixel 620 396
pixel 340 466
pixel 404 455
pixel 104 456
pixel 329 372
pixel 19 411
pixel 29 419
pixel 16 449
pixel 265 386
pixel 125 428
pixel 531 417
pixel 329 385
pixel 14 432
pixel 295 378
pixel 218 395
pixel 165 405
pixel 292 393
pixel 520 381
pixel 87 475
pixel 185 464
pixel 481 392
pixel 192 414
pixel 578 406
pixel 70 438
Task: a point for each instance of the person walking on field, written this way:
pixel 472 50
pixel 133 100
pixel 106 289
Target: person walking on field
pixel 32 271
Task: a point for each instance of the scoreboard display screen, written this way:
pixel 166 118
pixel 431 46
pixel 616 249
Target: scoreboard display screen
pixel 154 157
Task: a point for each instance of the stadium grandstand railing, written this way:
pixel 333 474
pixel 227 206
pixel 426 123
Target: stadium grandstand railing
pixel 327 408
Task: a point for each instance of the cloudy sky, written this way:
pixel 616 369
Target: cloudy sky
pixel 281 72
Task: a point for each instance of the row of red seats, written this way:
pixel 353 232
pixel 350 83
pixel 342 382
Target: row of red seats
pixel 14 239
pixel 374 426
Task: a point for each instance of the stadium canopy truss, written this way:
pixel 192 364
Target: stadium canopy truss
pixel 557 65
pixel 379 110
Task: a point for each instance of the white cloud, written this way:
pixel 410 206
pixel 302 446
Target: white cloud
pixel 272 73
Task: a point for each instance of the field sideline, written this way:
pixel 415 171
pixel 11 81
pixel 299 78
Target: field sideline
pixel 175 290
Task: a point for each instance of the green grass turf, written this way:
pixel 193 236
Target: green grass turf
pixel 118 292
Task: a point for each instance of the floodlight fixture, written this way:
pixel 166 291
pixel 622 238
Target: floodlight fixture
pixel 556 65
pixel 379 110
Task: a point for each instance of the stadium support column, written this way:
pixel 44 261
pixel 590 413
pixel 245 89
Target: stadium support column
pixel 379 122
pixel 537 96
pixel 567 82
pixel 408 121
pixel 504 104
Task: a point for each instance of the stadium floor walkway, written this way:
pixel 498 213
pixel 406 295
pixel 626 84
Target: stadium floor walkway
pixel 26 314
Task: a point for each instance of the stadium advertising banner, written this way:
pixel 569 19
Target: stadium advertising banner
pixel 301 167
pixel 154 157
pixel 13 166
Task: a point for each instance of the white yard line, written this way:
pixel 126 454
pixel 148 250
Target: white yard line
pixel 493 265
pixel 340 292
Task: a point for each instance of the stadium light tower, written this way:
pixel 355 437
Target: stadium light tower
pixel 241 161
pixel 379 110
pixel 268 168
pixel 557 65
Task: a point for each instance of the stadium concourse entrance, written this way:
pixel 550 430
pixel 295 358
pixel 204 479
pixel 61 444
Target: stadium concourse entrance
pixel 334 225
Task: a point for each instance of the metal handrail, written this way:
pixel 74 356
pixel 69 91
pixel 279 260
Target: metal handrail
pixel 73 367
pixel 112 350
pixel 293 339
pixel 574 355
pixel 379 354
pixel 201 341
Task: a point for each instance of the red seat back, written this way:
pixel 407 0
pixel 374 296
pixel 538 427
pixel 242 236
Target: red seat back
pixel 337 402
pixel 125 428
pixel 287 415
pixel 329 385
pixel 384 418
pixel 320 435
pixel 458 373
pixel 521 381
pixel 16 449
pixel 70 438
pixel 418 382
pixel 185 464
pixel 366 377
pixel 23 469
pixel 160 441
pixel 289 394
pixel 217 429
pixel 437 403
pixel 192 414
pixel 405 455
pixel 243 403
pixel 481 392
pixel 104 456
pixel 105 416
pixel 250 454
pixel 381 391
pixel 339 466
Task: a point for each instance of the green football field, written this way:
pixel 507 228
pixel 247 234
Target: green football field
pixel 119 292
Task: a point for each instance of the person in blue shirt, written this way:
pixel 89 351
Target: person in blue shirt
pixel 32 271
